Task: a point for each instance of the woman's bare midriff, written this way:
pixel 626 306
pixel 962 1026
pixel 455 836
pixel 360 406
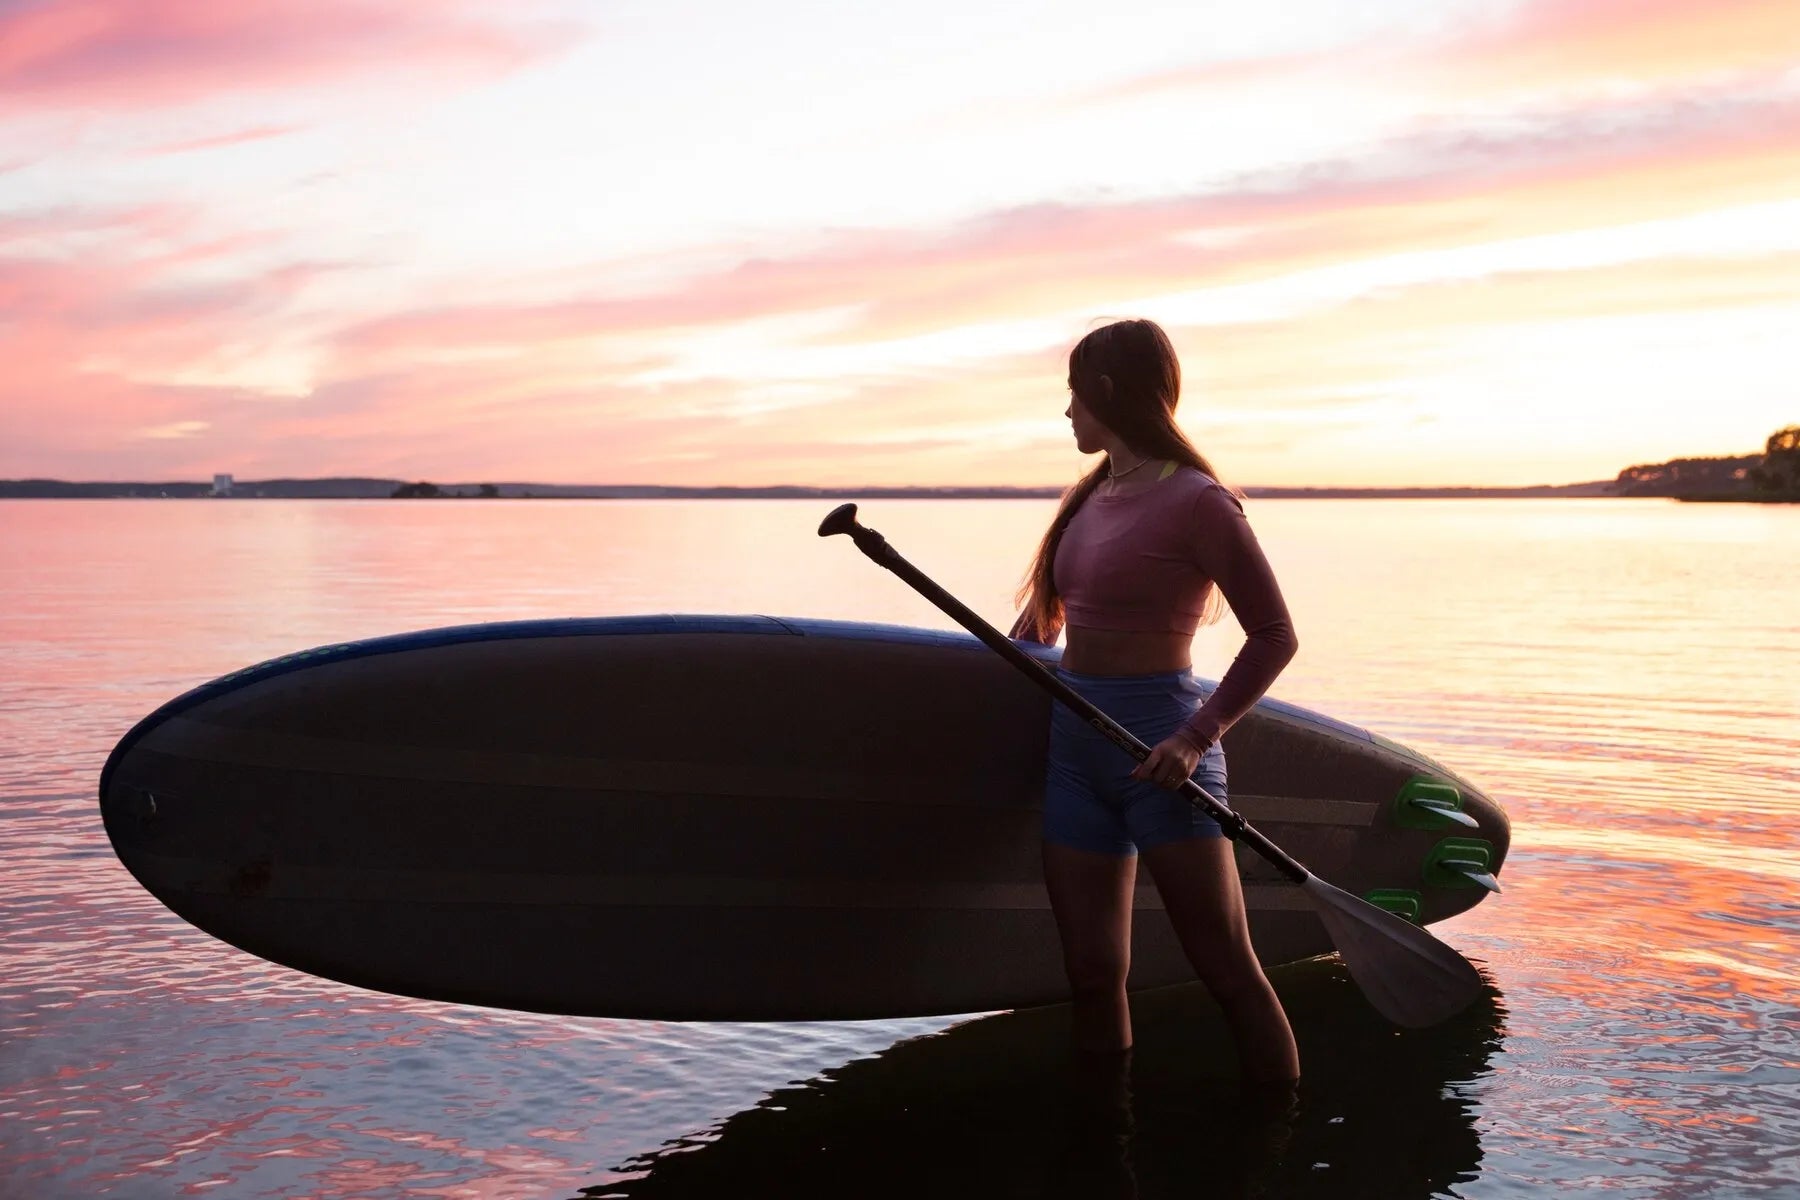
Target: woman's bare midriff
pixel 1118 652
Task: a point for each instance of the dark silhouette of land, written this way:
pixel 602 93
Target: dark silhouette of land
pixel 383 489
pixel 1772 476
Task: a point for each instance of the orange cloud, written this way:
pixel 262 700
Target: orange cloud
pixel 1645 41
pixel 1542 45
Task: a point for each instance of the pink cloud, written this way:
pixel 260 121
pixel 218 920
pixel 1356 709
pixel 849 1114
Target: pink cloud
pixel 45 226
pixel 100 315
pixel 218 141
pixel 134 53
pixel 97 340
pixel 133 302
pixel 52 417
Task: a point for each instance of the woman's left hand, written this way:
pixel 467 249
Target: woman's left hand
pixel 1170 763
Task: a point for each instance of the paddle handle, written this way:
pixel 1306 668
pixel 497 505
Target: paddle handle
pixel 843 520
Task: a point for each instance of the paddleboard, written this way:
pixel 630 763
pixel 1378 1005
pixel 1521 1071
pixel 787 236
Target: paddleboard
pixel 708 818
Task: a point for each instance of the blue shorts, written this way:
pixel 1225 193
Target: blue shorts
pixel 1090 800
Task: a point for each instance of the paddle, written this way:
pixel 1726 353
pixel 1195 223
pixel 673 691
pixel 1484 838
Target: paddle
pixel 1409 976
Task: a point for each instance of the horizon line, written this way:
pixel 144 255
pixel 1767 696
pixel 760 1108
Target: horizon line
pixel 1009 487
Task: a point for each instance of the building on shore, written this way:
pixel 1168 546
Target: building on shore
pixel 221 485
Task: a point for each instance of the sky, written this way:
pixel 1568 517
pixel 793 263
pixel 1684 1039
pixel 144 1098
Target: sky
pixel 1401 242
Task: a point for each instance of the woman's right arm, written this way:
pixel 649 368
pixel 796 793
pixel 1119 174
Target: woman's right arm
pixel 1227 550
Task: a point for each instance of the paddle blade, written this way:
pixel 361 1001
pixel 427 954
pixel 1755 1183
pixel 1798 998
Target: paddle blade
pixel 1410 977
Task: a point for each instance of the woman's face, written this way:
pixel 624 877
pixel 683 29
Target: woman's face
pixel 1086 427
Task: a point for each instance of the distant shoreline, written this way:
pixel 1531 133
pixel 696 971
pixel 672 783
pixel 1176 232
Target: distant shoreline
pixel 1736 498
pixel 383 489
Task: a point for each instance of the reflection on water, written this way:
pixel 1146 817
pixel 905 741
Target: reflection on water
pixel 998 1107
pixel 1624 678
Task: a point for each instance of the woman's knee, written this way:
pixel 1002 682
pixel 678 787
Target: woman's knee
pixel 1096 972
pixel 1232 976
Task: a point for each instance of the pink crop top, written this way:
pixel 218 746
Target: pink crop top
pixel 1146 561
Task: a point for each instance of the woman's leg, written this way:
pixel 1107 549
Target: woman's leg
pixel 1091 896
pixel 1198 880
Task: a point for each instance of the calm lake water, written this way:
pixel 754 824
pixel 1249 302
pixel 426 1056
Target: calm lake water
pixel 1624 676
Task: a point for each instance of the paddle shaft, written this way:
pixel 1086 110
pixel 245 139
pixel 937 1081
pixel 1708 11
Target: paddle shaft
pixel 876 547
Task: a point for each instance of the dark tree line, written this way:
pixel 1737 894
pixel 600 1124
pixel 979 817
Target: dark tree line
pixel 1778 475
pixel 431 491
pixel 1771 475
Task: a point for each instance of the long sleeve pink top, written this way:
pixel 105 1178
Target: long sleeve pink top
pixel 1146 561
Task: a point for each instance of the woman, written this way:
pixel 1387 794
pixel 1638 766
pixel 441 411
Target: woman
pixel 1137 558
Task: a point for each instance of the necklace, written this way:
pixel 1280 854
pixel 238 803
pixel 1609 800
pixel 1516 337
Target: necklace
pixel 1112 474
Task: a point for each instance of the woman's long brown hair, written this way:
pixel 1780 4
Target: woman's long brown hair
pixel 1126 374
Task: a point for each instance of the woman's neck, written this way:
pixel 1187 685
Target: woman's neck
pixel 1118 466
pixel 1127 473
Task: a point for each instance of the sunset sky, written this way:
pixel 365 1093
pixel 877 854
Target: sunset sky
pixel 660 241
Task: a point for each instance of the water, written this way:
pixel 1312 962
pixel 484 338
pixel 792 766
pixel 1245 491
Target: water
pixel 1623 676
